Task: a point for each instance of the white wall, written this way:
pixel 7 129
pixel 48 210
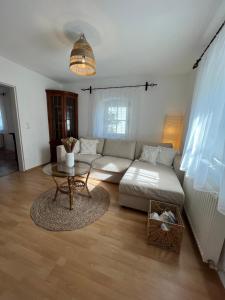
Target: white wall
pixel 172 96
pixel 32 110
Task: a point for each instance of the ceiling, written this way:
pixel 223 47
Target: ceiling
pixel 129 37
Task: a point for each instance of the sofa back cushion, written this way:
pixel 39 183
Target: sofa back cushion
pixel 139 147
pixel 88 146
pixel 166 156
pixel 119 148
pixel 149 154
pixel 76 148
pixel 100 144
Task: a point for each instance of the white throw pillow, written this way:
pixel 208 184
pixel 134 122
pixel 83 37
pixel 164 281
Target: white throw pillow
pixel 166 156
pixel 149 154
pixel 76 148
pixel 88 146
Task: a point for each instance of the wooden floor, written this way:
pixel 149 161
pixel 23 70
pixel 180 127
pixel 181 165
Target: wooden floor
pixel 106 260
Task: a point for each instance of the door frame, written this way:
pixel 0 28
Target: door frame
pixel 18 134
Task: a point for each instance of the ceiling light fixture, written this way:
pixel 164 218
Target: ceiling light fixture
pixel 82 60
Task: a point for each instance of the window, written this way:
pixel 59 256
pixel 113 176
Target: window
pixel 115 119
pixel 2 116
pixel 114 113
pixel 1 122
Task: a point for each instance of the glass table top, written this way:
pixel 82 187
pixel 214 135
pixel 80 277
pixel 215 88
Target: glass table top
pixel 61 170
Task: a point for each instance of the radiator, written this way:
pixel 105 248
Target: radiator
pixel 207 224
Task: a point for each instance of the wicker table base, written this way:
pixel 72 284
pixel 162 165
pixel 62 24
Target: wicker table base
pixel 71 187
pixel 74 184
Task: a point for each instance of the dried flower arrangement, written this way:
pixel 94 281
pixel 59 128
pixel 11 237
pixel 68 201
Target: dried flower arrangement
pixel 69 144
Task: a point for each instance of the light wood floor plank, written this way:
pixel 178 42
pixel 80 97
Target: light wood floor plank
pixel 109 259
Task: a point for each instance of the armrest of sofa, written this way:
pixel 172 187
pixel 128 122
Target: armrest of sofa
pixel 60 153
pixel 176 166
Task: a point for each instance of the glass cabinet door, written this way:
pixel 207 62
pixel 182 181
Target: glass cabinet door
pixel 57 117
pixel 70 117
pixel 62 118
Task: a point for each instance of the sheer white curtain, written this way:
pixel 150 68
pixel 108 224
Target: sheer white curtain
pixel 114 113
pixel 204 151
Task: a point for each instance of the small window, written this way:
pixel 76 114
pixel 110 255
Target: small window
pixel 1 122
pixel 115 119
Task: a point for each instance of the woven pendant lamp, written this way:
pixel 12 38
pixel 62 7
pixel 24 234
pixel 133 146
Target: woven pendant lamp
pixel 82 60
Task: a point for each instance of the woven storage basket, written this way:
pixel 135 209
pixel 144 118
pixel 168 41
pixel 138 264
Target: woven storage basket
pixel 156 236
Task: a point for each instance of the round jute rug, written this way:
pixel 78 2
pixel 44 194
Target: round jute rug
pixel 56 215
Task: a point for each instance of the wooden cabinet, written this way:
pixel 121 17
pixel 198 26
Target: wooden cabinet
pixel 62 117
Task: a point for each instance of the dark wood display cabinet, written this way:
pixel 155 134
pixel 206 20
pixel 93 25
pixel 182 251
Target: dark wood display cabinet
pixel 62 117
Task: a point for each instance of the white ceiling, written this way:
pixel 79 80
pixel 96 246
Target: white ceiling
pixel 129 37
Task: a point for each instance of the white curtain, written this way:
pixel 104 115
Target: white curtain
pixel 122 101
pixel 204 151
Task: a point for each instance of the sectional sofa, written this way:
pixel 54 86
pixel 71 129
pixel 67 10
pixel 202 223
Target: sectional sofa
pixel 117 161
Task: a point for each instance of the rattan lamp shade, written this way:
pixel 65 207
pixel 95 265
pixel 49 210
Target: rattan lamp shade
pixel 82 60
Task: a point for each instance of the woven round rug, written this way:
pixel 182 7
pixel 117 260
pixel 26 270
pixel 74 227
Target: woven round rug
pixel 56 215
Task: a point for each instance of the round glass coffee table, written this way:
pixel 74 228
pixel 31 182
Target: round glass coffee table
pixel 73 184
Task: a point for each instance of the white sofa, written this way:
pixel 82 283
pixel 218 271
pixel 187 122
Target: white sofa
pixel 117 161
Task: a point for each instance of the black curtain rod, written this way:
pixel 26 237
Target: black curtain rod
pixel 146 85
pixel 200 58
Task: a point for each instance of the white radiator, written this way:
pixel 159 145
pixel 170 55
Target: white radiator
pixel 207 224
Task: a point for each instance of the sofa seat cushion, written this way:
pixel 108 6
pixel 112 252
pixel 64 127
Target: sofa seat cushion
pixel 88 158
pixel 150 181
pixel 112 164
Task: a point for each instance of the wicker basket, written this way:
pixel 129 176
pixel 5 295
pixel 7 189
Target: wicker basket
pixel 156 236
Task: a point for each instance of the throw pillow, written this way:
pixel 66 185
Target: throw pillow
pixel 166 156
pixel 88 146
pixel 149 154
pixel 76 148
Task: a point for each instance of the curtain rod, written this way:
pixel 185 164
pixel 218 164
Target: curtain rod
pixel 200 58
pixel 146 85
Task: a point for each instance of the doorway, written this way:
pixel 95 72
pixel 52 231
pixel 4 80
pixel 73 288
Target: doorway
pixel 10 141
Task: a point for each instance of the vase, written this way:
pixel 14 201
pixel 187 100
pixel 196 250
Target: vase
pixel 70 159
